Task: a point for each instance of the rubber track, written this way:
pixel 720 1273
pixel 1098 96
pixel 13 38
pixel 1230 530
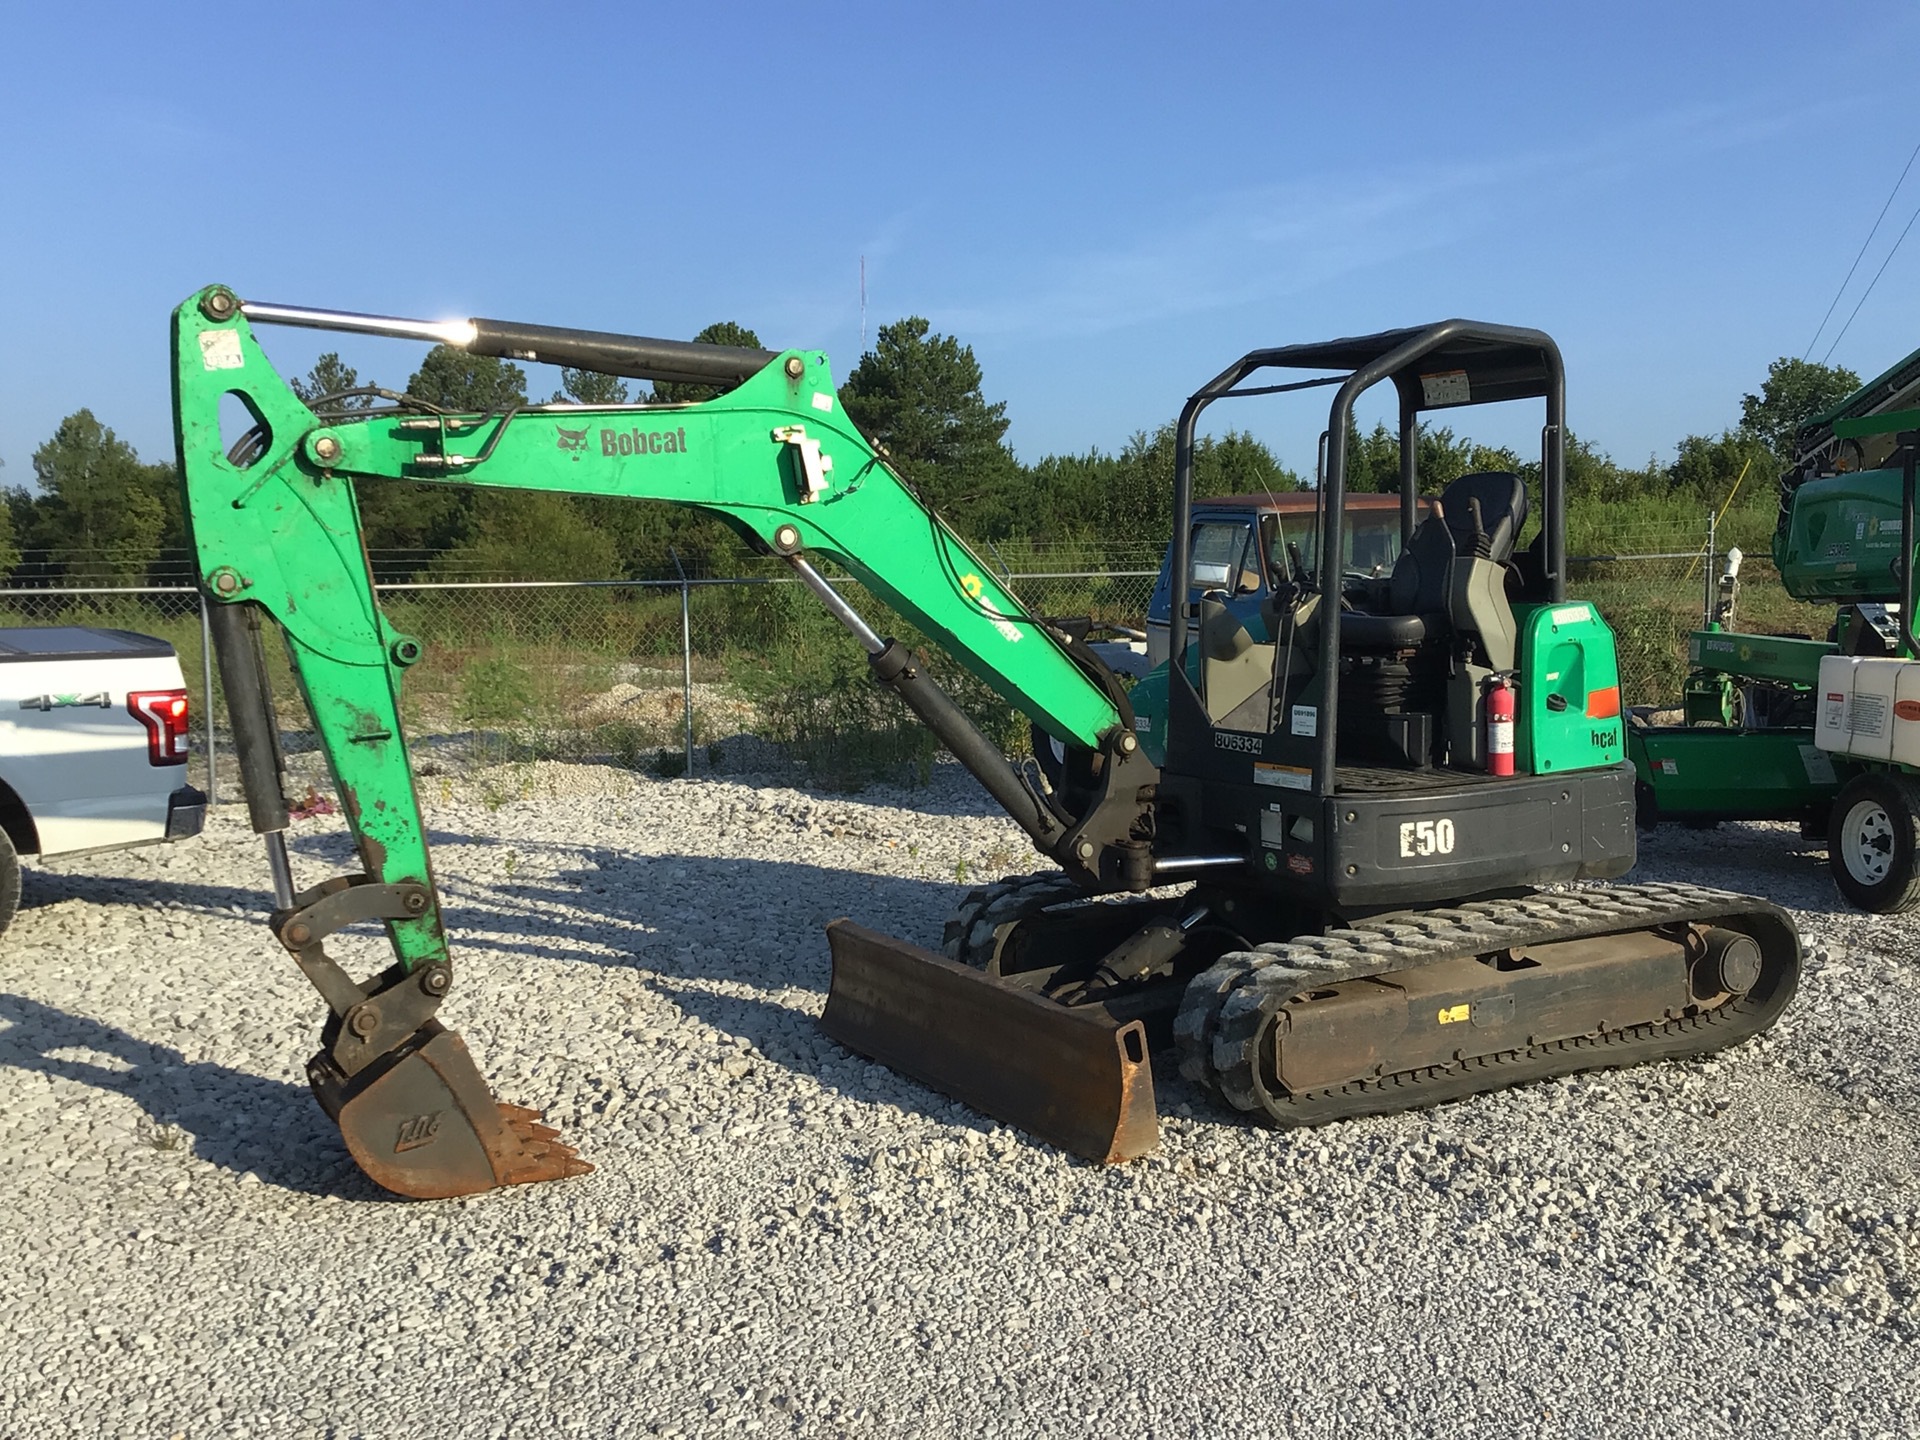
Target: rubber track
pixel 1226 1008
pixel 968 934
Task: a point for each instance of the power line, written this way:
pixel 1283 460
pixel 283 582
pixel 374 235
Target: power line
pixel 1875 281
pixel 1862 255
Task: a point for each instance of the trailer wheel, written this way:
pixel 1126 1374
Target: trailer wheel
pixel 1872 842
pixel 9 882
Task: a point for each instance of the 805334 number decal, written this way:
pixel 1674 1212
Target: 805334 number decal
pixel 1422 838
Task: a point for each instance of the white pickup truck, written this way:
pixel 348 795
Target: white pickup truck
pixel 93 746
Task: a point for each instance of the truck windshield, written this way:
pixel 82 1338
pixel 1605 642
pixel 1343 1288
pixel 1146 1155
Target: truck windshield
pixel 1372 542
pixel 1220 556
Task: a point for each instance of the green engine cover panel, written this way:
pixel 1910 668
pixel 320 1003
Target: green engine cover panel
pixel 1570 716
pixel 1149 700
pixel 1843 542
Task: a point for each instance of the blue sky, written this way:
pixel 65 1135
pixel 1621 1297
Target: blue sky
pixel 1108 202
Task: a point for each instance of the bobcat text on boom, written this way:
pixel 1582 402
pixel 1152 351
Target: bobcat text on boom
pixel 644 442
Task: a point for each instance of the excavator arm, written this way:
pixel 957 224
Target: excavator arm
pixel 276 532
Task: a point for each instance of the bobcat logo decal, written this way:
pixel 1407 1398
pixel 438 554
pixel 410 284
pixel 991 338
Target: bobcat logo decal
pixel 575 440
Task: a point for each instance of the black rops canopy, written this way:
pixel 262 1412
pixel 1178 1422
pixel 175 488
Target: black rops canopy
pixel 1434 367
pixel 1468 363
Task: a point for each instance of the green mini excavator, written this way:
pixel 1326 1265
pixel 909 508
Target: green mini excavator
pixel 1301 857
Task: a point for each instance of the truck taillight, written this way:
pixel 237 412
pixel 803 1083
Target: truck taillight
pixel 164 713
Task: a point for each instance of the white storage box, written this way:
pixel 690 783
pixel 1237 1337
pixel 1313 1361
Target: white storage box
pixel 1869 709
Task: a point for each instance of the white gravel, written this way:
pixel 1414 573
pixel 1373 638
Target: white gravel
pixel 782 1239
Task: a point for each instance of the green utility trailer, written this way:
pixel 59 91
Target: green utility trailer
pixel 1823 732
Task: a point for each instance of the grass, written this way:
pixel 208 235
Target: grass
pixel 510 676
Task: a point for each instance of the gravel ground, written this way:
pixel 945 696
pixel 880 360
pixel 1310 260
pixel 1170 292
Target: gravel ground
pixel 782 1239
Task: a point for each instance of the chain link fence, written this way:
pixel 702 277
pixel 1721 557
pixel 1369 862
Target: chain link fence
pixel 1663 583
pixel 1653 590
pixel 745 671
pixel 697 672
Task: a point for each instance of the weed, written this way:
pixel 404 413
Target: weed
pixel 164 1137
pixel 511 863
pixel 495 691
pixel 960 871
pixel 627 744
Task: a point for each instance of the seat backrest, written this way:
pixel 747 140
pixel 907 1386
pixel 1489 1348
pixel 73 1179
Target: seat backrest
pixel 1423 575
pixel 1527 573
pixel 1497 500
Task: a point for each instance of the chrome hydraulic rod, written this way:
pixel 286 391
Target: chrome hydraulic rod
pixel 458 333
pixel 609 354
pixel 281 868
pixel 869 640
pixel 893 667
pixel 1188 864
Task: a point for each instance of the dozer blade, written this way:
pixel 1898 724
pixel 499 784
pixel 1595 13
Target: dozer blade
pixel 422 1123
pixel 1075 1078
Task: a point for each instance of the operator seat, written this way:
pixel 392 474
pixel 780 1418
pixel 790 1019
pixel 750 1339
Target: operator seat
pixel 1411 677
pixel 1481 516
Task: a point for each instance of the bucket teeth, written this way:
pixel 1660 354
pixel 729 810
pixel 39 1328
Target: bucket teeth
pixel 542 1154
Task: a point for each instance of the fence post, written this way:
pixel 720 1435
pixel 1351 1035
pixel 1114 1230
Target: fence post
pixel 206 677
pixel 686 657
pixel 1706 612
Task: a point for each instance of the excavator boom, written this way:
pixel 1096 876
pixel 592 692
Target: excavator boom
pixel 276 530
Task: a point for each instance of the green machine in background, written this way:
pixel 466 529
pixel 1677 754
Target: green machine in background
pixel 1819 731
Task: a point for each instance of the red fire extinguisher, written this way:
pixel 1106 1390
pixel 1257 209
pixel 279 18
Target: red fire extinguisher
pixel 1500 712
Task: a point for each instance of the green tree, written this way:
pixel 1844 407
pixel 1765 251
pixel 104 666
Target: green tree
pixel 1373 460
pixel 9 550
pixel 329 376
pixel 721 332
pixel 1129 496
pixel 103 513
pixel 1706 468
pixel 920 395
pixel 534 537
pixel 1795 390
pixel 472 384
pixel 590 387
pixel 1071 496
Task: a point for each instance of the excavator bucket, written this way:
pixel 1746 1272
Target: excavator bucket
pixel 421 1122
pixel 1073 1077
